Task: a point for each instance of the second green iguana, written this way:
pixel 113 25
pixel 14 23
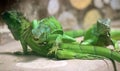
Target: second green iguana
pixel 99 35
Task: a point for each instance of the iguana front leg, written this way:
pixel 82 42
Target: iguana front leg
pixel 60 39
pixel 24 46
pixel 55 45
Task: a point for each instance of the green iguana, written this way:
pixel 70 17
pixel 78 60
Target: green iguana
pixel 46 38
pixel 99 35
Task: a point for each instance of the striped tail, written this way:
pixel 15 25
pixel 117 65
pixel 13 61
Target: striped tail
pixel 71 51
pixel 74 33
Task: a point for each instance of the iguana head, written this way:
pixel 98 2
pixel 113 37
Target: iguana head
pixel 43 28
pixel 12 19
pixel 103 26
pixel 40 31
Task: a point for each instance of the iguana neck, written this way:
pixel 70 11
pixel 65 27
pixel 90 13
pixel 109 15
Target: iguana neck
pixel 99 31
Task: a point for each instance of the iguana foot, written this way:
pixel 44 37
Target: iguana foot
pixel 55 46
pixel 53 49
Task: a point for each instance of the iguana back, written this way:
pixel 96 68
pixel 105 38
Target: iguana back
pixel 19 23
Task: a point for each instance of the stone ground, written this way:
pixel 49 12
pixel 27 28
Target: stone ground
pixel 11 62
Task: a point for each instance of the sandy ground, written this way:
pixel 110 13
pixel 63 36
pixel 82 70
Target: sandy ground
pixel 11 62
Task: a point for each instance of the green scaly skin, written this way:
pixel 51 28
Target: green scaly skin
pixel 97 34
pixel 47 42
pixel 115 33
pixel 93 38
pixel 42 37
pixel 75 33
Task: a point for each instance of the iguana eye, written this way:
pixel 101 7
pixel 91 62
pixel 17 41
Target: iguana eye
pixel 36 39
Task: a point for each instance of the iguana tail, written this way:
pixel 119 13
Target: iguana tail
pixel 74 33
pixel 71 51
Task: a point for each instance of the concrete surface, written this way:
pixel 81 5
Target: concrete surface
pixel 11 62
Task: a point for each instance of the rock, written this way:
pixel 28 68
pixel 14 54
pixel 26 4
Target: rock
pixel 4 28
pixel 108 12
pixel 91 18
pixel 5 38
pixel 98 3
pixel 68 21
pixel 53 7
pixel 106 1
pixel 115 24
pixel 26 9
pixel 5 35
pixel 6 5
pixel 42 64
pixel 115 4
pixel 80 4
pixel 32 9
